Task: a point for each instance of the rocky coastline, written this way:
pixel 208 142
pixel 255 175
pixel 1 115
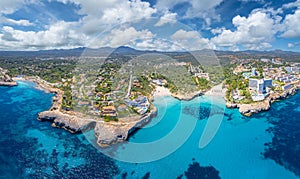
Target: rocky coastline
pixel 72 123
pixel 114 132
pixel 5 79
pixel 107 133
pixel 186 97
pixel 249 109
pixel 10 84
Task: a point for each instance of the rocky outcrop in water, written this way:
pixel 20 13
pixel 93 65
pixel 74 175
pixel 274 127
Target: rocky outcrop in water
pixel 231 105
pixel 249 109
pixel 107 133
pixel 113 132
pixel 68 122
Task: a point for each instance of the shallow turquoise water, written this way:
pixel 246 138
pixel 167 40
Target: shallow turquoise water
pixel 263 146
pixel 235 151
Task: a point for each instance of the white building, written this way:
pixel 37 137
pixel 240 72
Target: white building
pixel 265 60
pixel 286 87
pixel 260 85
pixel 253 72
pixel 202 75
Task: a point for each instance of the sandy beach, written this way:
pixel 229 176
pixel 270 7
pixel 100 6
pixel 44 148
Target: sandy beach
pixel 216 91
pixel 161 91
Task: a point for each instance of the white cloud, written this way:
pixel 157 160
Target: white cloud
pixel 291 5
pixel 255 32
pixel 234 48
pixel 291 25
pixel 138 39
pixel 217 30
pixel 290 45
pixel 258 46
pixel 128 11
pixel 168 17
pixel 97 17
pixel 157 44
pixel 21 22
pixel 204 9
pixel 9 6
pixel 59 35
pixel 122 36
pixel 108 13
pixel 197 7
pixel 190 40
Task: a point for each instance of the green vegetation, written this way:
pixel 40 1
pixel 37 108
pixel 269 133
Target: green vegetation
pixel 110 118
pixel 280 83
pixel 202 83
pixel 170 84
pixel 216 74
pixel 51 70
pixel 67 102
pixel 236 82
pixel 145 87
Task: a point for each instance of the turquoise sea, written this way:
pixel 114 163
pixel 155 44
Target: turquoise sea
pixel 265 145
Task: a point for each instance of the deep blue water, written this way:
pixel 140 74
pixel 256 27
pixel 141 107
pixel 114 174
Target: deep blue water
pixel 265 145
pixel 33 149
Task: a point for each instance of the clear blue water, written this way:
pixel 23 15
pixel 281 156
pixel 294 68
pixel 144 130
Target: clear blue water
pixel 33 149
pixel 265 145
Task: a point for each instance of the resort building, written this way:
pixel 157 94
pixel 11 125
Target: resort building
pixel 268 83
pixel 202 75
pixel 158 82
pixel 109 111
pixel 292 69
pixel 140 104
pixel 253 72
pixel 265 60
pixel 260 85
pixel 247 75
pixel 286 87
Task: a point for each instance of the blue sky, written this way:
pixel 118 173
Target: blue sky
pixel 156 24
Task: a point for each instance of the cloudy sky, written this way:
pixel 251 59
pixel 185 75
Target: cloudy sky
pixel 155 24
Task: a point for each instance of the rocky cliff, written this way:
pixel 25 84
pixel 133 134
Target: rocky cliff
pixel 113 132
pixel 5 79
pixel 249 109
pixel 71 123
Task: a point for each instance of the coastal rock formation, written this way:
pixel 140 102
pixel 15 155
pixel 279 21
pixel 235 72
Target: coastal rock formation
pixel 5 83
pixel 187 97
pixel 5 79
pixel 68 122
pixel 107 133
pixel 249 109
pixel 113 132
pixel 230 105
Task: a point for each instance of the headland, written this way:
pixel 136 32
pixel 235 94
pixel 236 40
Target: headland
pixel 5 79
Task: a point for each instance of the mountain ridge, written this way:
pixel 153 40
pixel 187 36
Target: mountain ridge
pixel 125 50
